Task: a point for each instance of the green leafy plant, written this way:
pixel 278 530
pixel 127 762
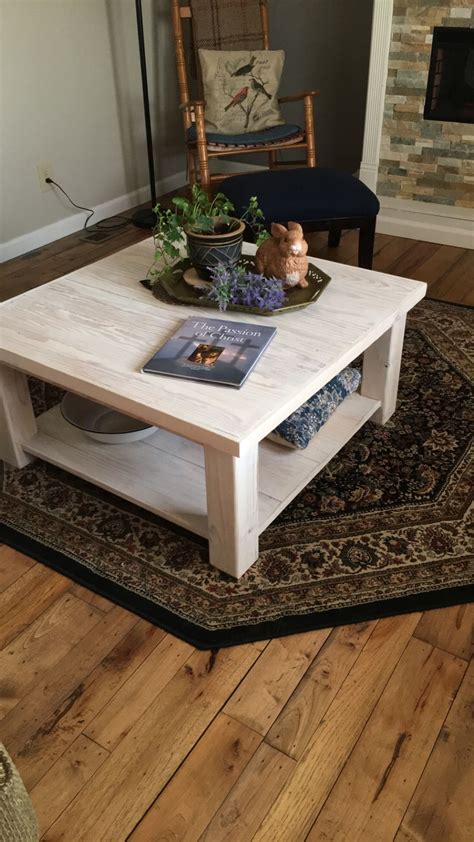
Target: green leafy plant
pixel 255 219
pixel 201 215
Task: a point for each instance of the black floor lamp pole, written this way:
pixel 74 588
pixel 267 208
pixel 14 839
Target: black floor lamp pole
pixel 145 218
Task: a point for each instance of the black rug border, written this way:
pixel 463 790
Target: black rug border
pixel 202 638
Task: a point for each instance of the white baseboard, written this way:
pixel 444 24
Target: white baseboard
pixel 434 223
pixel 74 222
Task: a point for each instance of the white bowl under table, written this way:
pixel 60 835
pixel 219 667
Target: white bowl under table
pixel 102 423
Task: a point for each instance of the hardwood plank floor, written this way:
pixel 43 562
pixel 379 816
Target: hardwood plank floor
pixel 191 799
pixel 402 728
pixel 442 807
pixel 122 732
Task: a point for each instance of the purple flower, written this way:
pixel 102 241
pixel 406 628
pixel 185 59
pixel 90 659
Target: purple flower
pixel 235 285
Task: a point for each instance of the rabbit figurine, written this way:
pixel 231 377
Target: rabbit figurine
pixel 284 255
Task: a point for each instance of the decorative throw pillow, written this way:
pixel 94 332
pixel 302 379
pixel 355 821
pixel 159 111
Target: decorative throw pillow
pixel 240 89
pixel 300 427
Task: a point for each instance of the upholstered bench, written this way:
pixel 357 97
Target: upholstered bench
pixel 320 199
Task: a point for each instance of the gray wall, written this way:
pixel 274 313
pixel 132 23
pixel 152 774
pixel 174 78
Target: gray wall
pixel 71 96
pixel 327 46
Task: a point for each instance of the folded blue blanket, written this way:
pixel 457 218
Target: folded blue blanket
pixel 299 428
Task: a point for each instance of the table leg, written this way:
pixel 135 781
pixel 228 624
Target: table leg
pixel 17 420
pixel 381 370
pixel 232 509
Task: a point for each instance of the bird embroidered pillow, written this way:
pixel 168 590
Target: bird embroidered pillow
pixel 240 89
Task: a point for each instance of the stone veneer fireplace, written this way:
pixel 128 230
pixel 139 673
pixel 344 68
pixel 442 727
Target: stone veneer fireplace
pixel 427 160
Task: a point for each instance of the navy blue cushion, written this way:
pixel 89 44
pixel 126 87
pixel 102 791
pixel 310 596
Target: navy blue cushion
pixel 274 134
pixel 303 194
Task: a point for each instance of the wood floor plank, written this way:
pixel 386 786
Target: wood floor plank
pixel 386 259
pixel 42 726
pixel 95 691
pixel 91 598
pixel 316 772
pixel 462 269
pixel 65 779
pixel 407 263
pixel 188 803
pixel 250 799
pixel 12 566
pixel 27 598
pixel 438 264
pixel 117 717
pixel 56 259
pixel 306 707
pixel 345 253
pixel 348 249
pixel 451 629
pixel 457 282
pixel 109 807
pixel 442 807
pixel 455 290
pixel 41 646
pixel 265 690
pixel 373 790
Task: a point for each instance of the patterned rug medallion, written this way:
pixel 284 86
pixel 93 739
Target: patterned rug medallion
pixel 382 530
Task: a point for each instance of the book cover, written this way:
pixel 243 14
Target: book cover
pixel 212 350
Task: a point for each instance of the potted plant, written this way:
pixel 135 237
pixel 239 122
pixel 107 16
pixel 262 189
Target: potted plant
pixel 213 236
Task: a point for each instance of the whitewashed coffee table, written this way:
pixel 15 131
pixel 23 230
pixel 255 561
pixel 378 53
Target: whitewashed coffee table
pixel 207 468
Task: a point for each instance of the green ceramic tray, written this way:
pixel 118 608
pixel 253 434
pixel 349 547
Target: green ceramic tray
pixel 173 289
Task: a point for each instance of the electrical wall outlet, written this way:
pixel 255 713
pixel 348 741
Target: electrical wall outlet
pixel 44 170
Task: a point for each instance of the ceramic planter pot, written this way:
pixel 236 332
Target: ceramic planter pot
pixel 208 250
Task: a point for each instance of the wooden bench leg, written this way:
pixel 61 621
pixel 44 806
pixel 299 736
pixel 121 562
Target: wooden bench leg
pixel 232 509
pixel 17 420
pixel 381 370
pixel 366 242
pixel 334 236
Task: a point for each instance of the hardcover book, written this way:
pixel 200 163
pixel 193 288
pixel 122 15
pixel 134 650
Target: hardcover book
pixel 212 350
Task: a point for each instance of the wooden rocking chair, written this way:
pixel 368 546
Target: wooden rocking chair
pixel 200 147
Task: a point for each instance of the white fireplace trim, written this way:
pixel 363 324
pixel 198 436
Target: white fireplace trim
pixel 378 69
pixel 446 225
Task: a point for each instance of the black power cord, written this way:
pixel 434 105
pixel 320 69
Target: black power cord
pixel 125 219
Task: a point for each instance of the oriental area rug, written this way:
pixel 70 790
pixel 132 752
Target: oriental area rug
pixel 382 530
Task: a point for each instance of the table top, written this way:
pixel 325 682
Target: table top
pixel 92 330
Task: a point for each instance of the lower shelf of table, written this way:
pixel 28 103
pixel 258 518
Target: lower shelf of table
pixel 165 473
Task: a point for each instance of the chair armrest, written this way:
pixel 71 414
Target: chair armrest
pixel 298 96
pixel 191 104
